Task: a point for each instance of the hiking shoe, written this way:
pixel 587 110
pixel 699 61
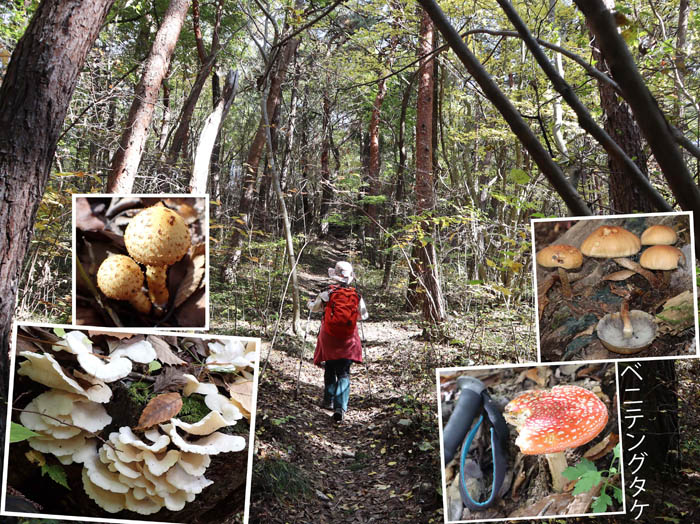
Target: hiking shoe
pixel 338 416
pixel 327 404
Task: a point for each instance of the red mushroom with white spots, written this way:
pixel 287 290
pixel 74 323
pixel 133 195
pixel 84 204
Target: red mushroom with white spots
pixel 552 421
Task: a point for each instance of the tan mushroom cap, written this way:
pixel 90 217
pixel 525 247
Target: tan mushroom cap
pixel 611 242
pixel 659 235
pixel 550 421
pixel 157 236
pixel 119 277
pixel 661 257
pixel 560 255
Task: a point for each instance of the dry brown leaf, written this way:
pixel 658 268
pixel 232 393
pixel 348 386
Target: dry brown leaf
pixel 194 275
pixel 113 334
pixel 241 393
pixel 619 275
pixel 171 378
pixel 160 409
pixel 85 219
pixel 163 351
pixel 192 312
pixel 603 447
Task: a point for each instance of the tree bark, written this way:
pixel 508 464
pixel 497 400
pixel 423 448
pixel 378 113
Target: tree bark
pixel 640 195
pixel 34 98
pixel 252 163
pixel 647 113
pixel 200 171
pixel 326 188
pixel 433 306
pixel 207 63
pixel 374 157
pixel 549 168
pixel 127 158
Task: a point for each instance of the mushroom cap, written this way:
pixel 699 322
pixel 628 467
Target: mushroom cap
pixel 659 234
pixel 119 277
pixel 560 255
pixel 611 242
pixel 661 257
pixel 157 236
pixel 550 421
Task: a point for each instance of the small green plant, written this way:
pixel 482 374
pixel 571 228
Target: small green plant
pixel 589 477
pixel 282 420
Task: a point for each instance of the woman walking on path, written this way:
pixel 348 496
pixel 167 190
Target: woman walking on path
pixel 338 344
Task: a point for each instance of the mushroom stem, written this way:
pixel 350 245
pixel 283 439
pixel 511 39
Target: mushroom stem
pixel 564 278
pixel 157 288
pixel 627 331
pixel 141 303
pixel 557 465
pixel 629 264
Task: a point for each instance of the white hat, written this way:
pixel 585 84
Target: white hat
pixel 342 272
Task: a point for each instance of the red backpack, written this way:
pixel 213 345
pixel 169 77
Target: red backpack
pixel 342 310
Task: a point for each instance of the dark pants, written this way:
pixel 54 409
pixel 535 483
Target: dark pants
pixel 337 383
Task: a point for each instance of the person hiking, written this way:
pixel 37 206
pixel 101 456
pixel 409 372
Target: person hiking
pixel 338 344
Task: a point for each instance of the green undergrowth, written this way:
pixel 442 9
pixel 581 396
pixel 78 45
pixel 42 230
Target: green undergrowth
pixel 281 479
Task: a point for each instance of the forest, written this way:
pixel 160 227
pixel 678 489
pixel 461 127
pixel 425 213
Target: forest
pixel 414 139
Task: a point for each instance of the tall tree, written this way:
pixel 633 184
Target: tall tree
pixel 284 55
pixel 620 124
pixel 34 98
pixel 207 138
pixel 433 306
pixel 127 157
pixel 207 62
pixel 510 114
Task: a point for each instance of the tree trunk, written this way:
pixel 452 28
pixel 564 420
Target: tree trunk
pixel 200 171
pixel 131 146
pixel 511 115
pixel 635 174
pixel 621 125
pixel 34 98
pixel 256 148
pixel 398 188
pixel 374 159
pixel 679 58
pixel 291 259
pixel 326 189
pixel 433 308
pixel 645 108
pixel 183 128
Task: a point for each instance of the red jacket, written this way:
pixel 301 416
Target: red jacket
pixel 329 347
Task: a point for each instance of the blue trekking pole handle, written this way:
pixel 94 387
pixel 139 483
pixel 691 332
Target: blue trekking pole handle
pixel 469 404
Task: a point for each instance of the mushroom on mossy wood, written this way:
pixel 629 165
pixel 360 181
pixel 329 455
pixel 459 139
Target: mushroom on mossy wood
pixel 552 421
pixel 157 237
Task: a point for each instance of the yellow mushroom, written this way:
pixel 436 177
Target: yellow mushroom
pixel 157 237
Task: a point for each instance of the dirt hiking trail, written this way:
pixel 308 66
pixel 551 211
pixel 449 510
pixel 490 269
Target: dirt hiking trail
pixel 381 464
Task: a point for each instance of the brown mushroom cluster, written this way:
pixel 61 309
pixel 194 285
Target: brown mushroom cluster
pixel 635 328
pixel 163 468
pixel 156 237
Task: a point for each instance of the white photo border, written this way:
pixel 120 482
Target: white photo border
pixel 135 331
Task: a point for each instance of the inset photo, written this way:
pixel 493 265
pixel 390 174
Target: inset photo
pixel 524 442
pixel 141 261
pixel 150 426
pixel 616 287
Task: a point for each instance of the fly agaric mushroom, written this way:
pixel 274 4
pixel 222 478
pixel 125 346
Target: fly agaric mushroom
pixel 552 421
pixel 659 234
pixel 120 278
pixel 157 237
pixel 562 257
